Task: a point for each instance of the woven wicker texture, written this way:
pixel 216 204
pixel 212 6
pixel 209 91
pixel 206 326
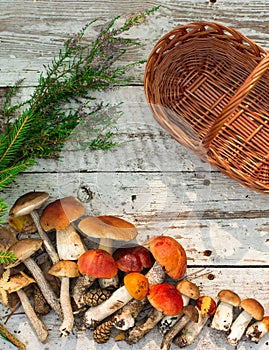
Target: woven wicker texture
pixel 207 85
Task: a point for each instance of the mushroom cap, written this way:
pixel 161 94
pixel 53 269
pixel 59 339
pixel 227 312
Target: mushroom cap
pixel 28 202
pixel 206 305
pixel 23 224
pixel 192 313
pixel 64 268
pixel 97 263
pixel 165 298
pixel 253 307
pixel 189 289
pixel 24 248
pixel 137 285
pixel 131 259
pixel 107 226
pixel 7 238
pixel 229 297
pixel 170 254
pixel 17 282
pixel 60 213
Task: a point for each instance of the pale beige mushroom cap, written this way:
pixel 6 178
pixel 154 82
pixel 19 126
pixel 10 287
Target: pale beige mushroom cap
pixel 253 307
pixel 107 226
pixel 65 268
pixel 28 202
pixel 24 248
pixel 229 297
pixel 17 282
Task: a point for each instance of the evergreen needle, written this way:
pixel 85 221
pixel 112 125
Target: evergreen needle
pixel 7 257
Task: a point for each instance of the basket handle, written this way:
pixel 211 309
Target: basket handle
pixel 235 101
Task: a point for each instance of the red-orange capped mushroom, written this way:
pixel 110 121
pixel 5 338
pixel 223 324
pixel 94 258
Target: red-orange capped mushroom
pixel 137 285
pixel 133 259
pixel 97 263
pixel 206 305
pixel 170 254
pixel 165 298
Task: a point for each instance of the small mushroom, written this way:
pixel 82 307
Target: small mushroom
pixel 23 249
pixel 23 224
pixel 188 290
pixel 258 330
pixel 28 204
pixel 107 228
pixel 251 309
pixel 65 269
pixel 59 215
pixel 16 283
pixel 166 300
pixel 189 313
pixel 223 317
pixel 137 285
pixel 206 307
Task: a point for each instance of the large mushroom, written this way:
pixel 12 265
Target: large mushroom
pixel 170 258
pixel 166 300
pixel 16 283
pixel 206 307
pixel 65 269
pixel 59 215
pixel 251 309
pixel 107 228
pixel 223 317
pixel 23 249
pixel 188 290
pixel 29 203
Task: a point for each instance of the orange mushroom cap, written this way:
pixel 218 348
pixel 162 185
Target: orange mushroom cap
pixel 206 305
pixel 60 213
pixel 137 285
pixel 166 298
pixel 170 254
pixel 97 263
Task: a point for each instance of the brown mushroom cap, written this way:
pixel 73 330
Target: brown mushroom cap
pixel 17 282
pixel 28 202
pixel 23 224
pixel 64 268
pixel 60 213
pixel 192 313
pixel 229 297
pixel 189 289
pixel 24 248
pixel 253 307
pixel 7 238
pixel 107 226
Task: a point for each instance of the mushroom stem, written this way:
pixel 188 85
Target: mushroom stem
pixel 238 328
pixel 46 241
pixel 117 300
pixel 69 244
pixel 138 332
pixel 258 330
pixel 44 286
pixel 82 284
pixel 223 317
pixel 125 317
pixel 38 326
pixel 68 318
pixel 176 328
pixel 191 331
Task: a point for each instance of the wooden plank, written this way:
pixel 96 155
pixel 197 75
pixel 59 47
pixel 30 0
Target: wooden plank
pixel 32 32
pixel 232 278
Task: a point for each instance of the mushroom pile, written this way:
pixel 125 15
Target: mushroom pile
pixel 71 267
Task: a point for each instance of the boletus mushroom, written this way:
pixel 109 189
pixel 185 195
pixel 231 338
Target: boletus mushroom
pixel 257 330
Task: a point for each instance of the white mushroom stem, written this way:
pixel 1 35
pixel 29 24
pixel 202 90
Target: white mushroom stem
pixel 138 332
pixel 69 244
pixel 97 313
pixel 38 326
pixel 223 317
pixel 191 331
pixel 68 318
pixel 238 328
pixel 167 322
pixel 258 330
pixel 177 327
pixel 44 286
pixel 125 317
pixel 46 241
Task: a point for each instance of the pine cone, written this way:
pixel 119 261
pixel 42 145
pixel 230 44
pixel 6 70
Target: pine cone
pixel 40 304
pixel 102 333
pixel 96 296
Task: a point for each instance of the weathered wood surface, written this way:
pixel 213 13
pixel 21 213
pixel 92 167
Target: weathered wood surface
pixel 152 181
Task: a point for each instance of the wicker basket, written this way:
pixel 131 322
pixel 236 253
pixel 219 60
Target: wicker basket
pixel 208 85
